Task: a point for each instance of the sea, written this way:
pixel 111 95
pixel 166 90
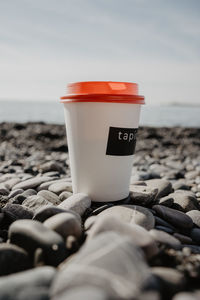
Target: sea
pixel 52 112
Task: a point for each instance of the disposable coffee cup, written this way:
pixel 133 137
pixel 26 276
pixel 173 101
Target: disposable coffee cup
pixel 101 123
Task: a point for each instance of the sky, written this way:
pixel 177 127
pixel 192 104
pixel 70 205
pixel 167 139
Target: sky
pixel 45 44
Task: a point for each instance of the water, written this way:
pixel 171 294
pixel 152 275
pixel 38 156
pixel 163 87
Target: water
pixel 52 112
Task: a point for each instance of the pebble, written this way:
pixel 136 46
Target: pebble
pixel 49 196
pixel 13 259
pixel 179 185
pixel 195 235
pixel 164 238
pixel 51 166
pixel 18 211
pixel 4 191
pixel 64 195
pixel 32 293
pixel 78 202
pixel 195 216
pixel 35 202
pixel 162 222
pixel 185 296
pixel 85 292
pixel 172 281
pixel 60 187
pixel 46 212
pixel 46 185
pixel 136 233
pixel 183 238
pixel 89 222
pixel 132 214
pixel 165 229
pixel 166 201
pixel 18 199
pixel 164 186
pixel 184 201
pixel 101 208
pixel 142 195
pixel 65 224
pixel 29 192
pixel 12 286
pixel 11 182
pixel 174 217
pixel 15 192
pixel 30 183
pixel 100 263
pixel 31 235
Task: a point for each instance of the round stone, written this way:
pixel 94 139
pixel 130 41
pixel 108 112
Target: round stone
pixel 183 238
pixel 164 238
pixel 65 224
pixel 195 235
pixel 132 214
pixel 174 217
pixel 78 202
pixel 164 186
pixel 49 196
pixel 195 216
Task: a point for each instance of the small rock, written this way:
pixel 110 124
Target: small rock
pixel 142 195
pixel 138 234
pixel 18 211
pixel 179 185
pixel 132 214
pixel 162 222
pixel 60 187
pixel 89 222
pixel 84 292
pixel 185 296
pixel 100 263
pixel 30 183
pixel 164 238
pixel 49 196
pixel 184 201
pixel 46 212
pixel 165 229
pixel 12 286
pixel 78 202
pixel 183 238
pixel 13 259
pixel 64 195
pixel 51 166
pixel 4 191
pixel 174 217
pixel 172 280
pixel 11 182
pixel 192 174
pixel 35 202
pixel 33 293
pixel 195 216
pixel 164 187
pixel 31 235
pixel 15 192
pixel 166 201
pixel 29 192
pixel 65 224
pixel 195 235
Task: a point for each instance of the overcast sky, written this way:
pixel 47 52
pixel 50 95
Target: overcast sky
pixel 46 43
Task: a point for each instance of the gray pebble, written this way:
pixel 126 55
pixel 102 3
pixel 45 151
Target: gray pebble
pixel 78 202
pixel 165 229
pixel 195 235
pixel 101 263
pixel 162 222
pixel 29 192
pixel 183 238
pixel 35 202
pixel 11 286
pixel 89 222
pixel 142 195
pixel 195 216
pixel 180 185
pixel 164 186
pixel 15 192
pixel 185 296
pixel 64 195
pixel 166 201
pixel 132 214
pixel 84 292
pixel 18 211
pixel 164 238
pixel 174 217
pixel 13 259
pixel 49 196
pixel 31 235
pixel 65 224
pixel 138 234
pixel 172 280
pixel 30 183
pixel 60 187
pixel 47 211
pixel 184 201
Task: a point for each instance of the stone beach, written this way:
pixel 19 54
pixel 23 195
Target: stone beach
pixel 58 245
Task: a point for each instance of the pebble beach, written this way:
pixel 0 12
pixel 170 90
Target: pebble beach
pixel 58 245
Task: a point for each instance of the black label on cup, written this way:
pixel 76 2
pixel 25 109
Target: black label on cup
pixel 121 141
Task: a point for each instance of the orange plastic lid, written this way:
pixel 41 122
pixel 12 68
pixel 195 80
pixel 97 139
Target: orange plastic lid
pixel 103 91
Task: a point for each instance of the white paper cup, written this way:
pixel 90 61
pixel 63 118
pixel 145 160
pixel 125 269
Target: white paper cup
pixel 101 123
